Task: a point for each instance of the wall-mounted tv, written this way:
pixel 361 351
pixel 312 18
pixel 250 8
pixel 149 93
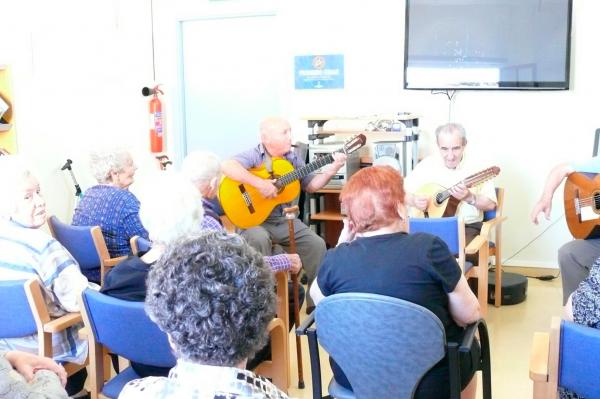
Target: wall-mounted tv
pixel 487 44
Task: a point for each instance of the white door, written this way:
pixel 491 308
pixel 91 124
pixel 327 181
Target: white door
pixel 229 69
pixel 221 63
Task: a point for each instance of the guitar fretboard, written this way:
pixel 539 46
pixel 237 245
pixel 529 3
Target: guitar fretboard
pixel 303 171
pixel 470 181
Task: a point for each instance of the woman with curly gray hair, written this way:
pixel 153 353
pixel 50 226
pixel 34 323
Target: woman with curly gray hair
pixel 213 295
pixel 110 204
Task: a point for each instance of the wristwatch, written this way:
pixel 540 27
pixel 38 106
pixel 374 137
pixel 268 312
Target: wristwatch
pixel 472 201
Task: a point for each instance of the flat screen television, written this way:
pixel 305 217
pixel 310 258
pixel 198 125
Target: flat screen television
pixel 487 44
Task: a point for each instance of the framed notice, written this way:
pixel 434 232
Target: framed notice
pixel 319 71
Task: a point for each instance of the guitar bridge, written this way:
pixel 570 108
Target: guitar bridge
pixel 247 199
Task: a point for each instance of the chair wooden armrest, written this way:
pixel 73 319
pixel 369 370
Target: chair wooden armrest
pixel 111 262
pixel 61 323
pixel 543 362
pixel 83 333
pixel 278 368
pixel 488 225
pixel 538 359
pixel 476 244
pixel 283 309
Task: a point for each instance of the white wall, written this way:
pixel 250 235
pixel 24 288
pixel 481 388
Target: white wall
pixel 525 133
pixel 78 68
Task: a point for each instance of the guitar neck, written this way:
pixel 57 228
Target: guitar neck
pixel 470 181
pixel 303 171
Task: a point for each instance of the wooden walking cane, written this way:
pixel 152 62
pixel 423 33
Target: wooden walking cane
pixel 290 215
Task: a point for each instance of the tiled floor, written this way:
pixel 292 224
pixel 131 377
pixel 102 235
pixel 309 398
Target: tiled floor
pixel 511 329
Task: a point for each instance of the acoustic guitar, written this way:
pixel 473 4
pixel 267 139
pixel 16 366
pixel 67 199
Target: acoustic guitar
pixel 582 205
pixel 442 203
pixel 246 207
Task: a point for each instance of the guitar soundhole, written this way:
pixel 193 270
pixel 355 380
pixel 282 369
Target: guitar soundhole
pixel 597 201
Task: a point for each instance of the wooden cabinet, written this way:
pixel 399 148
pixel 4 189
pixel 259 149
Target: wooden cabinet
pixel 8 137
pixel 325 215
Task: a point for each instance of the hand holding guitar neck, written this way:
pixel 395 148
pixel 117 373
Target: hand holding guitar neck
pixel 444 201
pixel 460 191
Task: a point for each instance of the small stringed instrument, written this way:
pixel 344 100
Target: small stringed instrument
pixel 246 207
pixel 442 203
pixel 582 205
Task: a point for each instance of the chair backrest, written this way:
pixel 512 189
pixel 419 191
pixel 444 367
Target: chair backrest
pixel 139 245
pixel 450 229
pixel 579 352
pixel 78 240
pixel 125 329
pixel 16 318
pixel 384 345
pixel 489 215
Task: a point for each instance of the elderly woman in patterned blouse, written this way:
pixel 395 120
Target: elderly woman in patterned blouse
pixel 583 307
pixel 110 204
pixel 26 251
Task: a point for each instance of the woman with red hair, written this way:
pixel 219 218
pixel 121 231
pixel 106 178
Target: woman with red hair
pixel 376 255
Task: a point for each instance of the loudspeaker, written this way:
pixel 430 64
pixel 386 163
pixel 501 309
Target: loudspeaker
pixel 514 288
pixel 386 150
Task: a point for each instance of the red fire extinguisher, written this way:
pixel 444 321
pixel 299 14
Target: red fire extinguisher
pixel 156 122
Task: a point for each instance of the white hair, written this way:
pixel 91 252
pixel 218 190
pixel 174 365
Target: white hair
pixel 13 172
pixel 106 160
pixel 450 128
pixel 201 166
pixel 171 207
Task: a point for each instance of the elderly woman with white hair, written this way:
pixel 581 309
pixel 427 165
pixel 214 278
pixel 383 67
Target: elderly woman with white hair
pixel 26 252
pixel 171 208
pixel 110 204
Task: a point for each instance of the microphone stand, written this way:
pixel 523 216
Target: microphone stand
pixel 67 166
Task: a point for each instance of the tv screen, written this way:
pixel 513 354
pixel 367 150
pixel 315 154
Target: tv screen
pixel 487 44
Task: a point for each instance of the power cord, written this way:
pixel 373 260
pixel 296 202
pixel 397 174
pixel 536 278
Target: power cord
pixel 545 277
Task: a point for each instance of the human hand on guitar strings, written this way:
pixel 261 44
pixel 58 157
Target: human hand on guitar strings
pixel 420 202
pixel 296 263
pixel 267 188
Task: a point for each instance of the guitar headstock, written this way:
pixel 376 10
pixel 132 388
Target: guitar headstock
pixel 354 143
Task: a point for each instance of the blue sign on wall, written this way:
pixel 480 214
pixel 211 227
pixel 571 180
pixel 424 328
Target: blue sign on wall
pixel 319 71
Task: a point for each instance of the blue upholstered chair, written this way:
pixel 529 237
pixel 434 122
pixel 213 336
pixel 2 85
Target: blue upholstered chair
pixel 87 245
pixel 24 312
pixel 452 231
pixel 123 328
pixel 567 357
pixel 139 245
pixel 384 345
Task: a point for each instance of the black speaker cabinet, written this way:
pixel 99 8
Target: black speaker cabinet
pixel 514 288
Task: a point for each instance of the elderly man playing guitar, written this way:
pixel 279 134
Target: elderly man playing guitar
pixel 276 142
pixel 582 212
pixel 467 191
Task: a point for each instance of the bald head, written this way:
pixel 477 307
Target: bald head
pixel 276 136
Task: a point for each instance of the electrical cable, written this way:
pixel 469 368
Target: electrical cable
pixel 546 277
pixel 450 94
